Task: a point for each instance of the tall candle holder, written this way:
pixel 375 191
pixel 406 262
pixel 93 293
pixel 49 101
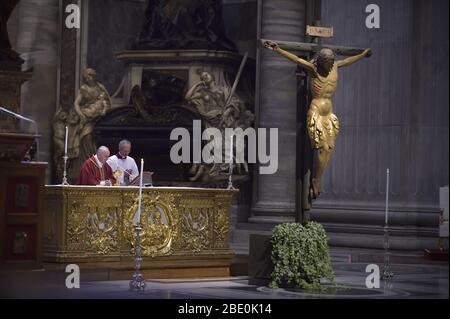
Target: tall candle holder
pixel 387 272
pixel 230 177
pixel 65 157
pixel 64 180
pixel 138 282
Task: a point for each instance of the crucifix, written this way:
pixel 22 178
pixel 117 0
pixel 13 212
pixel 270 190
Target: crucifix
pixel 322 125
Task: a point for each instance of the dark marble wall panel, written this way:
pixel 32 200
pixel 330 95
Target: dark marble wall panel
pixel 115 24
pixel 393 107
pixel 240 18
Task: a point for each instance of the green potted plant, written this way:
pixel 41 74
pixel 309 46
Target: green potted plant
pixel 300 256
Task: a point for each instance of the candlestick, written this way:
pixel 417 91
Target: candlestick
pixel 230 177
pixel 231 149
pixel 387 272
pixel 65 141
pixel 64 181
pixel 65 158
pixel 387 196
pixel 138 282
pixel 140 191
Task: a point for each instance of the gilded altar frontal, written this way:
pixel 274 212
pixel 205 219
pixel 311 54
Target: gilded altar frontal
pixel 91 224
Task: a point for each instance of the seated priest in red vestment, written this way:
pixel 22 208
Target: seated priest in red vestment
pixel 96 171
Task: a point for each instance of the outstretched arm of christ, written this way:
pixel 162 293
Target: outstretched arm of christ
pixel 350 60
pixel 292 57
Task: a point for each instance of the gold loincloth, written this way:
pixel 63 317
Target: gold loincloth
pixel 322 129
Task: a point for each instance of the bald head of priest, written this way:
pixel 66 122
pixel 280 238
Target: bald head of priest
pixel 123 165
pixel 96 171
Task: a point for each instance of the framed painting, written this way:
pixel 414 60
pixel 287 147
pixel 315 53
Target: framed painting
pixel 21 195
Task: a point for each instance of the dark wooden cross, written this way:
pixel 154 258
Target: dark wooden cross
pixel 317 33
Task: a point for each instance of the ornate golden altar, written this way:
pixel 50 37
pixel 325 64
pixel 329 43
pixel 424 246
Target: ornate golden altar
pixel 182 227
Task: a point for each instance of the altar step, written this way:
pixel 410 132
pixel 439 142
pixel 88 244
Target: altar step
pixel 105 271
pixel 402 238
pixel 409 229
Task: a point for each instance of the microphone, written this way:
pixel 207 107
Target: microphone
pixel 3 109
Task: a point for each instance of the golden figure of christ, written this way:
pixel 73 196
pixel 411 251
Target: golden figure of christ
pixel 322 123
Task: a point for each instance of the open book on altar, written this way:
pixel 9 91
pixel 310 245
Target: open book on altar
pixel 146 180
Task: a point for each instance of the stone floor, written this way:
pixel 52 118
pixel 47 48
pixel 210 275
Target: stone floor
pixel 420 279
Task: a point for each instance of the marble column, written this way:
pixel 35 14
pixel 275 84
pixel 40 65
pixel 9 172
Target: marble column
pixel 35 33
pixel 276 107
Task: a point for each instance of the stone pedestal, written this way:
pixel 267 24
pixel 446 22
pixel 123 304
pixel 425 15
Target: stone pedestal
pixel 260 264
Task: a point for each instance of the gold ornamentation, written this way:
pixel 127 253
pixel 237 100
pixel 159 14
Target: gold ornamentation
pixel 117 175
pixel 158 222
pixel 102 230
pixel 221 221
pixel 221 228
pixel 75 226
pixel 195 229
pixel 93 224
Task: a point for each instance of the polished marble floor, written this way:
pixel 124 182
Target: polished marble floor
pixel 428 280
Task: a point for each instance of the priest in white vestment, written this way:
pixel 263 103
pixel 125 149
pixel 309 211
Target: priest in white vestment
pixel 123 166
